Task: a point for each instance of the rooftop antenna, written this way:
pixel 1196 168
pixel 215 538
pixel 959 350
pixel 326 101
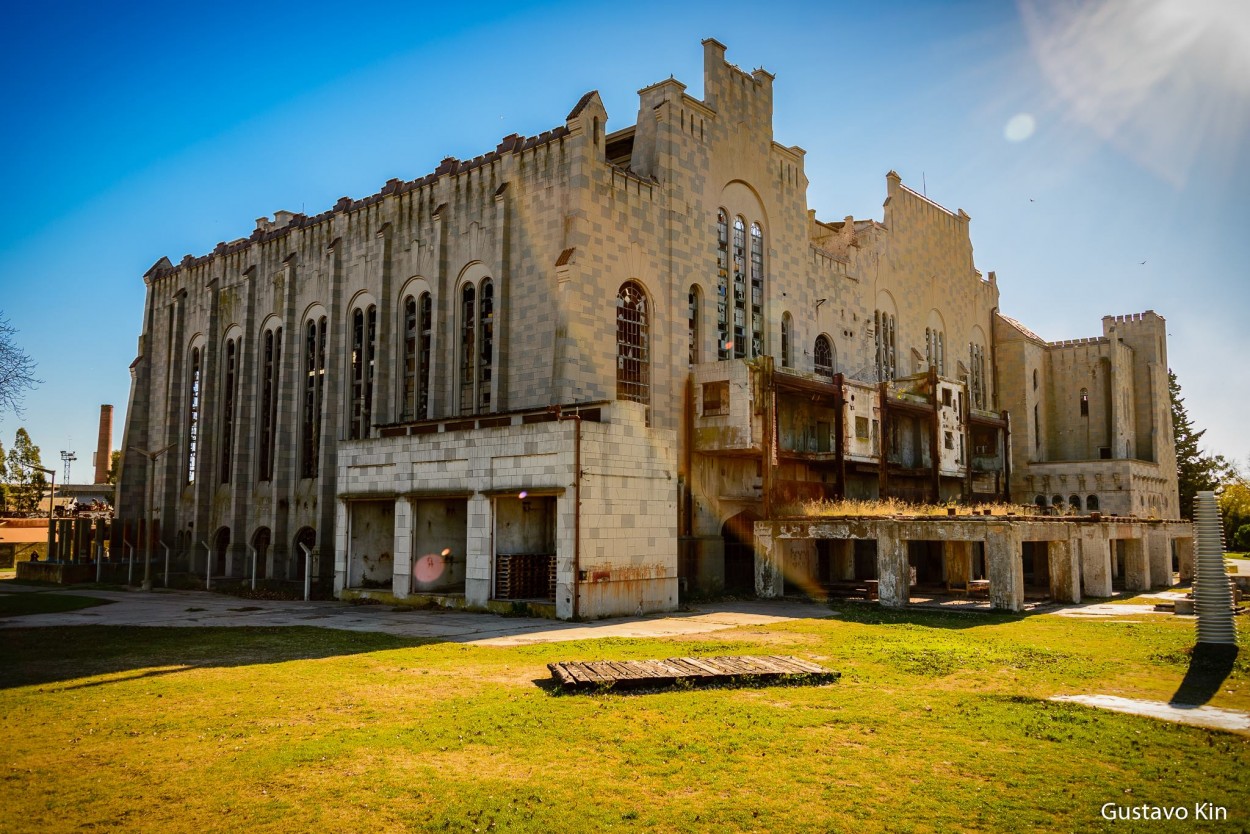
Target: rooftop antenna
pixel 68 458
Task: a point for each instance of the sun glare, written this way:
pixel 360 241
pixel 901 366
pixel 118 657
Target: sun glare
pixel 1164 81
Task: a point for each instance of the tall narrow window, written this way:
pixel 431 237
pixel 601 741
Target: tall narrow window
pixel 976 374
pixel 740 289
pixel 884 329
pixel 468 343
pixel 787 341
pixel 724 343
pixel 1084 402
pixel 193 414
pixel 417 326
pixel 314 382
pixel 364 350
pixel 229 377
pixel 271 360
pixel 692 316
pixel 757 290
pixel 824 356
pixel 486 345
pixel 633 365
pixel 1037 429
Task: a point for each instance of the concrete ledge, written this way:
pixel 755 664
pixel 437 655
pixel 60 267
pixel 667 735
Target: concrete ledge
pixel 454 602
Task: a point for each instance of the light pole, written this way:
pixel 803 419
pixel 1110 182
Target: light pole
pixel 149 511
pixel 51 503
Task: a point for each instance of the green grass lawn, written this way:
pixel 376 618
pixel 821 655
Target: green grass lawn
pixel 13 605
pixel 939 723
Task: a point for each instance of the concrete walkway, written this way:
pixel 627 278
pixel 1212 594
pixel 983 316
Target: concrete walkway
pixel 1210 717
pixel 199 608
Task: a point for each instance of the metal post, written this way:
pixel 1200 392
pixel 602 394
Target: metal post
pixel 99 563
pixel 307 571
pixel 249 547
pixel 130 570
pixel 166 563
pixel 149 511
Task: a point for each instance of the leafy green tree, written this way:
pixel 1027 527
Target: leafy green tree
pixel 26 483
pixel 1234 500
pixel 115 466
pixel 1195 471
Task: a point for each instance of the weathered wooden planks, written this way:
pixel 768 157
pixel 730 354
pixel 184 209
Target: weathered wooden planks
pixel 575 676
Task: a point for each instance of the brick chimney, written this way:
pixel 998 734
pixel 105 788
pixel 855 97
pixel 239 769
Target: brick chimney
pixel 104 445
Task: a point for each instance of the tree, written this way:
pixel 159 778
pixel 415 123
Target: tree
pixel 26 483
pixel 4 480
pixel 17 370
pixel 1234 500
pixel 1195 471
pixel 115 466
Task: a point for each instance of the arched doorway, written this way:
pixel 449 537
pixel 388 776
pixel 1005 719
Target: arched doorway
pixel 221 546
pixel 307 536
pixel 260 544
pixel 738 534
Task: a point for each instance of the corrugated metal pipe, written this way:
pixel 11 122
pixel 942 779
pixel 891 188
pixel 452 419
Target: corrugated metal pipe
pixel 1213 599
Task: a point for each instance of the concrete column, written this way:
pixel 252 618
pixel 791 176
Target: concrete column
pixel 402 580
pixel 342 535
pixel 481 524
pixel 957 563
pixel 1095 556
pixel 1185 558
pixel 769 577
pixel 1136 566
pixel 1159 557
pixel 893 571
pixel 1005 568
pixel 1065 571
pixel 842 554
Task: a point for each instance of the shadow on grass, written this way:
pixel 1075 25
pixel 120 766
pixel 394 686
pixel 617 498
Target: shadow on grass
pixel 872 613
pixel 19 605
pixel 37 656
pixel 1209 666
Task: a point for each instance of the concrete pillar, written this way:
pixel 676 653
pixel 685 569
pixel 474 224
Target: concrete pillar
pixel 1065 572
pixel 342 535
pixel 842 555
pixel 1005 568
pixel 477 590
pixel 1136 567
pixel 769 577
pixel 957 563
pixel 893 570
pixel 1185 558
pixel 401 582
pixel 1159 557
pixel 1095 555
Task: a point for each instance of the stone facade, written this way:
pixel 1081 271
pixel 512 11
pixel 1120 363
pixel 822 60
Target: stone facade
pixel 431 371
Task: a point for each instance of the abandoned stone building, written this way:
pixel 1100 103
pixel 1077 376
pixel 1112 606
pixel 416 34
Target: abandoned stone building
pixel 580 369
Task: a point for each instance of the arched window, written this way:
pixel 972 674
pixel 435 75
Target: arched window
pixel 935 350
pixel 976 374
pixel 787 341
pixel 486 345
pixel 193 412
pixel 1084 402
pixel 271 361
pixel 1091 503
pixel 1074 501
pixel 229 382
pixel 1057 502
pixel 757 290
pixel 885 337
pixel 1040 500
pixel 724 347
pixel 417 330
pixel 364 350
pixel 740 289
pixel 468 341
pixel 692 316
pixel 314 392
pixel 633 365
pixel 823 356
pixel 477 346
pixel 1035 379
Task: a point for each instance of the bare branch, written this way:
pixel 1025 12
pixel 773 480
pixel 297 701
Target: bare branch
pixel 17 370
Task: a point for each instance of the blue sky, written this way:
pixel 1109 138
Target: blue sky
pixel 1083 138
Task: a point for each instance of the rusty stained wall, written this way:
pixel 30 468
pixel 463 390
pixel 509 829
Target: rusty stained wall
pixel 910 441
pixel 805 426
pixel 525 525
pixel 439 544
pixel 371 549
pixel 862 401
pixel 741 427
pixel 950 423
